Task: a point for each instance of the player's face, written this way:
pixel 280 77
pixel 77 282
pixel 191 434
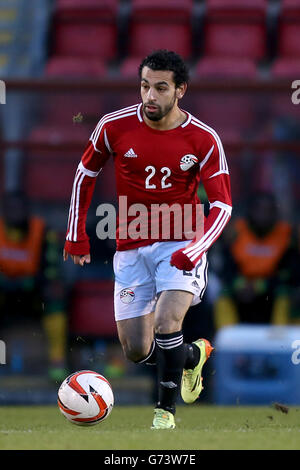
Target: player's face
pixel 159 94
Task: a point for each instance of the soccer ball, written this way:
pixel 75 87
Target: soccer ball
pixel 85 398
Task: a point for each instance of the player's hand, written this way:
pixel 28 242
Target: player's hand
pixel 181 261
pixel 78 259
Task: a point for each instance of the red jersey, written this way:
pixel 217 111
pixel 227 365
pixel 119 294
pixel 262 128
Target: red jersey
pixel 153 167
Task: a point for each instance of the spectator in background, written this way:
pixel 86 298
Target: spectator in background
pixel 30 285
pixel 259 262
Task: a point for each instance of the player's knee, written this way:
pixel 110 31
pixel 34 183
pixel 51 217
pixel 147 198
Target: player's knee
pixel 165 325
pixel 135 352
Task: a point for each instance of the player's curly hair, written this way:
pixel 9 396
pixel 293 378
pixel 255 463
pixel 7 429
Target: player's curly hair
pixel 163 59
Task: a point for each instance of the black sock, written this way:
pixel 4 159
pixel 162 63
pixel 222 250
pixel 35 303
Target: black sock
pixel 150 359
pixel 192 356
pixel 171 357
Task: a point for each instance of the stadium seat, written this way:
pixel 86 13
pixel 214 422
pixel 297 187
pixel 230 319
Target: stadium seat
pixel 231 8
pixel 235 40
pixel 65 66
pixel 85 28
pixel 230 114
pixel 236 29
pixel 77 6
pixel 290 9
pixel 49 174
pixel 286 67
pixel 289 27
pixel 92 309
pixel 86 39
pixel 227 67
pixel 129 68
pixel 84 102
pixel 160 25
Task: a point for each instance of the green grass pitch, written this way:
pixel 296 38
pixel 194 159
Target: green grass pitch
pixel 199 427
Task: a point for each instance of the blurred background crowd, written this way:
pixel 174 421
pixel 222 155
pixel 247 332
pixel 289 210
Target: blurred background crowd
pixel 65 63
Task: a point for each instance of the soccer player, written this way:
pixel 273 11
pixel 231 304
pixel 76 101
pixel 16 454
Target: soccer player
pixel 160 153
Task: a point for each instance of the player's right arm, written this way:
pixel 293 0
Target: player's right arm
pixel 93 159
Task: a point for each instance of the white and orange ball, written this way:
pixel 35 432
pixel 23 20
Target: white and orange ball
pixel 85 398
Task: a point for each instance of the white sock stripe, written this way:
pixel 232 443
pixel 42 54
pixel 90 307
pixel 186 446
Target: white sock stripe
pixel 162 345
pixel 213 237
pixel 169 344
pixel 189 250
pixel 170 347
pixel 169 339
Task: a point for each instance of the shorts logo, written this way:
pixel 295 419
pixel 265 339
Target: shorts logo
pixel 127 295
pixel 187 161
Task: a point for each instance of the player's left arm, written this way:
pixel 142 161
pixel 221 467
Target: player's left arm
pixel 216 181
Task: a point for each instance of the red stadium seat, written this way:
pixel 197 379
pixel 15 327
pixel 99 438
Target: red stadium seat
pixel 231 8
pixel 162 8
pixel 129 68
pixel 230 114
pixel 86 28
pixel 87 5
pixel 236 29
pixel 235 40
pixel 86 39
pixel 227 67
pixel 290 9
pixel 88 104
pixel 92 309
pixel 286 67
pixel 64 66
pixel 49 174
pixel 289 28
pixel 160 25
pixel 289 43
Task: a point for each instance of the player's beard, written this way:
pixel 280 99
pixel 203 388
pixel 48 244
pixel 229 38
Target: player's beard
pixel 160 113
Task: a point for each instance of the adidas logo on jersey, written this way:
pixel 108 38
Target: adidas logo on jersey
pixel 131 153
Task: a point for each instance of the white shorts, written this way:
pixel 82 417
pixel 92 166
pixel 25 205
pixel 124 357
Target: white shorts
pixel 141 274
